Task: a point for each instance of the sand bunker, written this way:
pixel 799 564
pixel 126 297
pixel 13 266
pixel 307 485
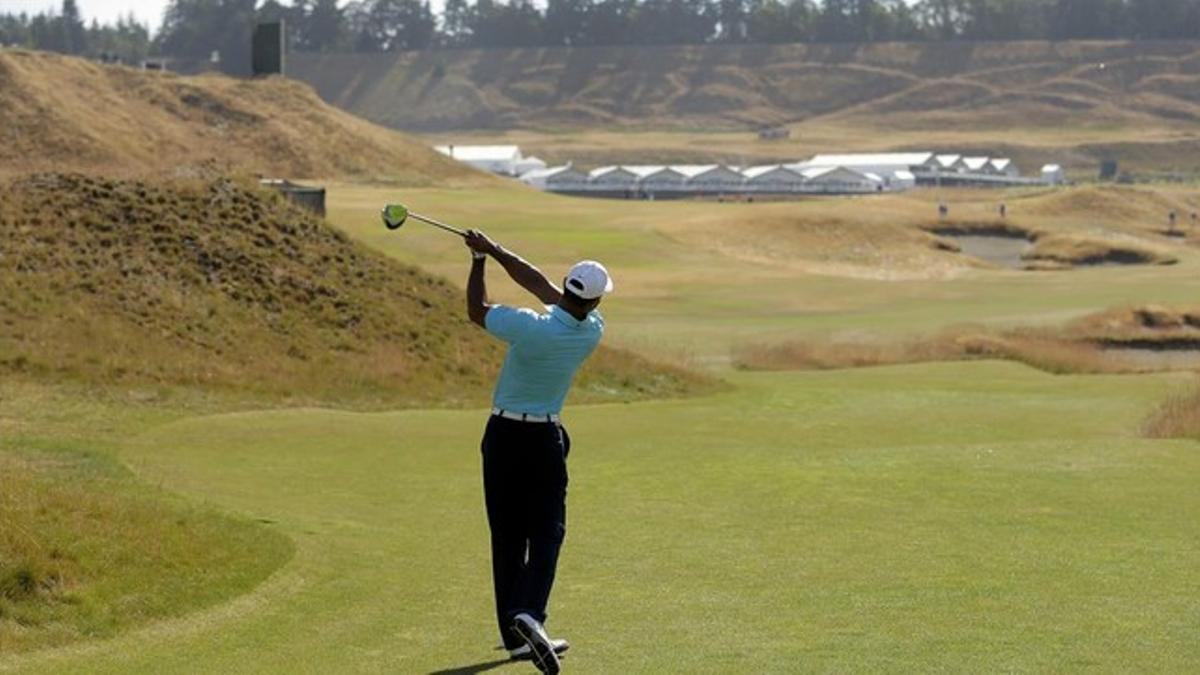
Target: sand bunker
pixel 1012 247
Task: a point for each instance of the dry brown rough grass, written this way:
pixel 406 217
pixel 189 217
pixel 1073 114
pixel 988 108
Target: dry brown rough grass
pixel 1078 347
pixel 63 113
pixel 741 86
pixel 1177 417
pixel 1045 352
pixel 217 283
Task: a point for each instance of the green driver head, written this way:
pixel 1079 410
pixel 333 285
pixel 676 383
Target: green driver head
pixel 394 215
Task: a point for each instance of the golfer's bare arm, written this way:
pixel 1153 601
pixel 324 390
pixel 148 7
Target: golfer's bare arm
pixel 477 295
pixel 526 275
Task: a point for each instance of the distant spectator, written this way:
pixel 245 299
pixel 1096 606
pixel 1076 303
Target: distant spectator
pixel 943 210
pixel 1171 221
pixel 1194 219
pixel 1003 210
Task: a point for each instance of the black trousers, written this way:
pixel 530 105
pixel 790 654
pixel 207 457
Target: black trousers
pixel 525 489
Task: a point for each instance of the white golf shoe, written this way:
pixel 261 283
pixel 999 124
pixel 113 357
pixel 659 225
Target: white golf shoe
pixel 525 653
pixel 541 648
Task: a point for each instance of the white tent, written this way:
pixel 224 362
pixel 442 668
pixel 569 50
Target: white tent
pixel 773 179
pixel 612 178
pixel 901 180
pixel 658 178
pixel 710 177
pixel 947 163
pixel 840 179
pixel 556 178
pixel 883 164
pixel 526 164
pixel 977 164
pixel 1052 174
pixel 495 158
pixel 1004 166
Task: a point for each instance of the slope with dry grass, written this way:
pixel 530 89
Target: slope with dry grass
pixel 1071 102
pixel 1096 343
pixel 217 284
pixel 899 236
pixel 64 113
pixel 739 86
pixel 1067 102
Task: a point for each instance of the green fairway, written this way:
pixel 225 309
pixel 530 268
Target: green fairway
pixel 967 517
pixel 971 517
pixel 680 293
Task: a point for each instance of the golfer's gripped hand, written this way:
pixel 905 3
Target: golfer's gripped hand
pixel 479 242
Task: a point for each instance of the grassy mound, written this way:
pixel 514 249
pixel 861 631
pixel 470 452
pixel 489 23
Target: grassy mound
pixel 216 283
pixel 1068 250
pixel 1148 326
pixel 67 113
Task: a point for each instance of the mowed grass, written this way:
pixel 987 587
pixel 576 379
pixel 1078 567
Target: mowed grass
pixel 86 549
pixel 963 517
pixel 696 280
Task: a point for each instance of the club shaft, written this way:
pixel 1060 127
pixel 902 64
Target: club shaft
pixel 436 223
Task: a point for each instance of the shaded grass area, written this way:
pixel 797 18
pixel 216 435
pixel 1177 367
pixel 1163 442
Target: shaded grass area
pixel 967 516
pixel 86 549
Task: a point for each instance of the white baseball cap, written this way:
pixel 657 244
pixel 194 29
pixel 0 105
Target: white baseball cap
pixel 589 280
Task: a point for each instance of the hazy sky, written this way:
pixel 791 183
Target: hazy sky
pixel 105 11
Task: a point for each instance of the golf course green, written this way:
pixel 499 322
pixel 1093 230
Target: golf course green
pixel 966 517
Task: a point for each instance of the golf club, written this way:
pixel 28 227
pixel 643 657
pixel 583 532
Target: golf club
pixel 394 216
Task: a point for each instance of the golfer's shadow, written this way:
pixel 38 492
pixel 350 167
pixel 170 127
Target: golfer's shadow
pixel 474 668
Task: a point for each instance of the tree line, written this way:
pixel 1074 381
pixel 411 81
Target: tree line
pixel 125 39
pixel 194 29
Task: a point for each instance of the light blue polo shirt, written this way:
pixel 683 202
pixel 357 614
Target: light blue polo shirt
pixel 544 351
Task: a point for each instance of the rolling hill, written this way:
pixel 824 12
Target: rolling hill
pixel 62 113
pixel 1036 101
pixel 214 283
pixel 749 85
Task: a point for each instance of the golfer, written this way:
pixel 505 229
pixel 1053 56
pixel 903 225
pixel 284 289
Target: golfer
pixel 525 446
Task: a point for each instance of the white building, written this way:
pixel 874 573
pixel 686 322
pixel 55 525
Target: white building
pixel 652 179
pixel 883 164
pixel 710 178
pixel 527 164
pixel 557 179
pixel 900 181
pixel 611 178
pixel 977 164
pixel 949 163
pixel 840 180
pixel 772 179
pixel 1052 174
pixel 502 159
pixel 1003 166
